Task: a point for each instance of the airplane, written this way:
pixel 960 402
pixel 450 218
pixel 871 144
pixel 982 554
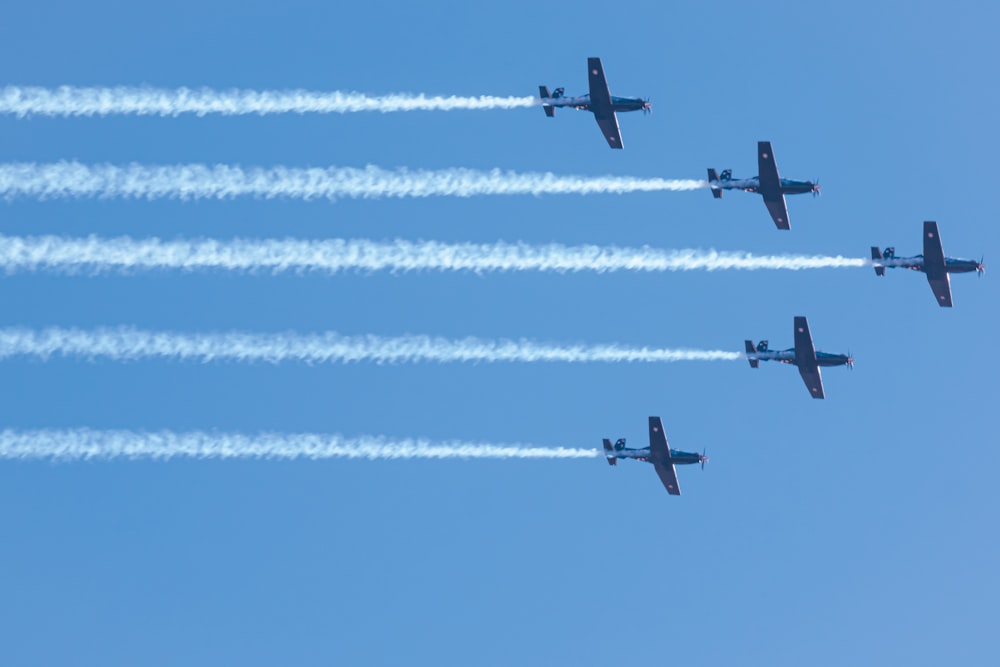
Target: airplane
pixel 658 453
pixel 933 263
pixel 767 184
pixel 600 102
pixel 803 355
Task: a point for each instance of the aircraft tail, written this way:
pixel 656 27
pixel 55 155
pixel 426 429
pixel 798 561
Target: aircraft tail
pixel 754 362
pixel 543 92
pixel 609 452
pixel 713 175
pixel 876 256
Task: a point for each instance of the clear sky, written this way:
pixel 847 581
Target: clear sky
pixel 856 530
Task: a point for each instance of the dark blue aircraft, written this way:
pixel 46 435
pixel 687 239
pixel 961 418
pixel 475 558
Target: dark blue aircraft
pixel 600 102
pixel 933 263
pixel 803 355
pixel 659 454
pixel 767 184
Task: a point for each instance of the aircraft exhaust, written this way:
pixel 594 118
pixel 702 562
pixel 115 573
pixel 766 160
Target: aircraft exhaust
pixel 94 254
pixel 87 444
pixel 129 344
pixel 23 101
pixel 61 180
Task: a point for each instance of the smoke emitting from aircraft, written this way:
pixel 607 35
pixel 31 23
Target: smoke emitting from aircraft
pixel 88 444
pixel 24 101
pixel 129 344
pixel 198 181
pixel 124 254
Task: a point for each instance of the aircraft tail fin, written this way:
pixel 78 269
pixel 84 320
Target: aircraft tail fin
pixel 543 92
pixel 751 351
pixel 609 452
pixel 713 175
pixel 876 256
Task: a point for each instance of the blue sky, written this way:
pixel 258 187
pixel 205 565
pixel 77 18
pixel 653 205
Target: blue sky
pixel 855 530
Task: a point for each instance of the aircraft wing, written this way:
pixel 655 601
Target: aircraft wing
pixel 600 103
pixel 778 209
pixel 600 94
pixel 609 128
pixel 814 381
pixel 942 289
pixel 804 348
pixel 770 185
pixel 669 477
pixel 659 450
pixel 805 358
pixel 934 264
pixel 933 248
pixel 767 168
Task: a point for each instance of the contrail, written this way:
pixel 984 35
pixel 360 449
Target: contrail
pixel 128 344
pixel 199 181
pixel 101 255
pixel 24 101
pixel 87 444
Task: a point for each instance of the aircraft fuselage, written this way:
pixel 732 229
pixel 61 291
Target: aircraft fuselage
pixel 788 357
pixel 916 263
pixel 582 103
pixel 677 457
pixel 788 186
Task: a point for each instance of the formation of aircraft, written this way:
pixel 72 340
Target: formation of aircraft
pixel 599 101
pixel 659 453
pixel 932 263
pixel 769 184
pixel 804 355
pixel 766 183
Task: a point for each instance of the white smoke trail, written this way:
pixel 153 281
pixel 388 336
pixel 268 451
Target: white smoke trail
pixel 87 444
pixel 97 255
pixel 126 344
pixel 103 101
pixel 198 181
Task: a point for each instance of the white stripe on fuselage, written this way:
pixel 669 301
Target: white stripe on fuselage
pixel 633 454
pixel 581 101
pixel 773 355
pixel 736 184
pixel 901 262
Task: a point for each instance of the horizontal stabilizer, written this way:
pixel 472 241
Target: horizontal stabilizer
pixel 754 363
pixel 543 92
pixel 876 256
pixel 609 451
pixel 713 176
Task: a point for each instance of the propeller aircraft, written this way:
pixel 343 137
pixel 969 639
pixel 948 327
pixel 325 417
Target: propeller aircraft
pixel 767 184
pixel 599 101
pixel 933 263
pixel 803 355
pixel 658 453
